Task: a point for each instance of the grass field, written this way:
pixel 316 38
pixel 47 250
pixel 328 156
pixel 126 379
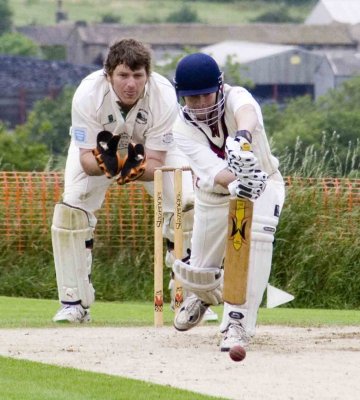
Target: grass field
pixel 41 381
pixel 36 313
pixel 42 12
pixel 46 382
pixel 20 312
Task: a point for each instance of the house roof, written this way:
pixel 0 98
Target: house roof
pixel 243 52
pixel 342 11
pixel 197 35
pixel 48 35
pixel 44 74
pixel 344 64
pixel 203 35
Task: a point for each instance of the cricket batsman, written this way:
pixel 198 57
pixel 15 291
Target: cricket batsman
pixel 221 131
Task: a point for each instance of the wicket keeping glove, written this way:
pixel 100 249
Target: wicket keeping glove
pixel 106 154
pixel 133 164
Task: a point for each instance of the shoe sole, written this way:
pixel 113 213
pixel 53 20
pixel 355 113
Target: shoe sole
pixel 181 330
pixel 210 318
pixel 186 329
pixel 67 321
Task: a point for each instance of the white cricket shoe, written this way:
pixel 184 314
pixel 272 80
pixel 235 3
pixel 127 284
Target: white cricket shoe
pixel 234 334
pixel 72 313
pixel 210 315
pixel 190 314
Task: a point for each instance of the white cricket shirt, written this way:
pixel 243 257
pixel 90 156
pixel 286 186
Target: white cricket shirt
pixel 195 142
pixel 149 122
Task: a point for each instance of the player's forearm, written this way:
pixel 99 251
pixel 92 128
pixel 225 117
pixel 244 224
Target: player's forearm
pixel 246 118
pixel 154 159
pixel 224 177
pixel 89 163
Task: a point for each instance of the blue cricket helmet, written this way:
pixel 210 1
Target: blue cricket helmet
pixel 197 73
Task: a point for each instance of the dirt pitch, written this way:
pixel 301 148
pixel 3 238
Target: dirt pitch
pixel 282 362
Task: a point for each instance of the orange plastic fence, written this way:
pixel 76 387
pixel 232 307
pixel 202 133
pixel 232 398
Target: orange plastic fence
pixel 345 192
pixel 27 202
pixel 125 221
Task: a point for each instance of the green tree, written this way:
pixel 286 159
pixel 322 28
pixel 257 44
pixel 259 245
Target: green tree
pixel 168 67
pixel 110 19
pixel 42 142
pixel 277 15
pixel 49 121
pixel 5 17
pixel 326 130
pixel 19 153
pixel 233 75
pixel 20 45
pixel 184 15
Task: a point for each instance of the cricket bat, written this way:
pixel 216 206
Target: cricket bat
pixel 237 253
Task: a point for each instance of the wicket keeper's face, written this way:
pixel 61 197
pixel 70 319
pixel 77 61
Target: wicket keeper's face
pixel 128 85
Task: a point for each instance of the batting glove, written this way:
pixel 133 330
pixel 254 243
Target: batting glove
pixel 133 165
pixel 106 153
pixel 240 158
pixel 249 188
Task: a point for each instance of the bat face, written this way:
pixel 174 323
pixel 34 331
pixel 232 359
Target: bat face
pixel 237 251
pixel 239 225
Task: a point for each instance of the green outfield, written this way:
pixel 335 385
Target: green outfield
pixel 20 312
pixel 25 380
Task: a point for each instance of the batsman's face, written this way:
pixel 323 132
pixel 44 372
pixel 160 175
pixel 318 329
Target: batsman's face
pixel 128 85
pixel 200 104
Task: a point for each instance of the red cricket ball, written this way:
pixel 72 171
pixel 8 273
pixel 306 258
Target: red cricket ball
pixel 237 353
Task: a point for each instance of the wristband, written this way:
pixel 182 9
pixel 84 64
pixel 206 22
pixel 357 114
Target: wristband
pixel 245 134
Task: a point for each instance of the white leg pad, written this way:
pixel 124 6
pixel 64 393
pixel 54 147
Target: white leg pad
pixel 267 210
pixel 262 237
pixel 206 283
pixel 70 233
pixel 260 267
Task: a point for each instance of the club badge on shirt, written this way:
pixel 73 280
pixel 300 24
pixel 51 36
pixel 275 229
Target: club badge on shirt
pixel 167 138
pixel 142 116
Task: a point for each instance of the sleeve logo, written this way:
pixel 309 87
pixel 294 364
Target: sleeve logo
pixel 79 134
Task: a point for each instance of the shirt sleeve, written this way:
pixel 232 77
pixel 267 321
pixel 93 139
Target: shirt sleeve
pixel 202 160
pixel 238 97
pixel 164 107
pixel 85 125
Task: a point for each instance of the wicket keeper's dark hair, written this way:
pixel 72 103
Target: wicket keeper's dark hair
pixel 130 52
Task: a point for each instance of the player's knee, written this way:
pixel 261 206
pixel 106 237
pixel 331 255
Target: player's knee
pixel 263 228
pixel 68 217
